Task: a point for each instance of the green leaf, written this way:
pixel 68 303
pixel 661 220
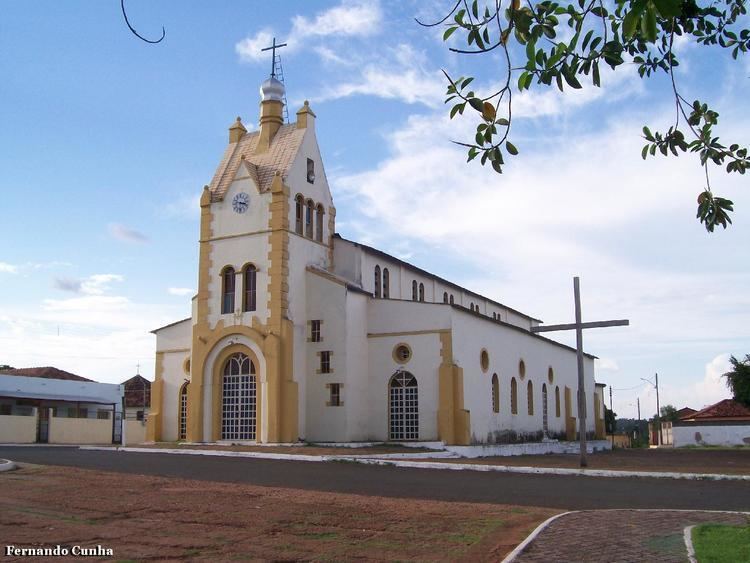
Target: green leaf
pixel 648 23
pixel 630 23
pixel 595 74
pixel 477 104
pixel 572 80
pixel 668 8
pixel 449 32
pixel 511 148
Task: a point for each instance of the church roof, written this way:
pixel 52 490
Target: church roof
pixel 387 256
pixel 47 372
pixel 262 167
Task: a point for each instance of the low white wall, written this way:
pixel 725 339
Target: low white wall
pixel 17 429
pixel 79 431
pixel 734 435
pixel 135 432
pixel 529 448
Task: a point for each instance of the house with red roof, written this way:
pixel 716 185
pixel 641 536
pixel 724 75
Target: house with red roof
pixel 726 423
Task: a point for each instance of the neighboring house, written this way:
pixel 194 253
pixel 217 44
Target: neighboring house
pixel 726 423
pixel 685 412
pixel 137 397
pixel 299 333
pixel 49 405
pixel 137 404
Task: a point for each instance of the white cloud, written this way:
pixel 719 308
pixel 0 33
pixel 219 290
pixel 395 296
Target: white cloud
pixel 348 19
pixel 180 291
pixel 93 285
pixel 187 206
pixel 399 73
pixel 67 284
pixel 6 268
pixel 249 48
pixel 126 234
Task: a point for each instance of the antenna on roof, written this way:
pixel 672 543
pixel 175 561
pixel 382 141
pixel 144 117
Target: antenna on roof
pixel 277 71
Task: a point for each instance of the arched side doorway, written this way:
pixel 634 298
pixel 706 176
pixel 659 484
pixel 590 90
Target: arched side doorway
pixel 238 399
pixel 403 407
pixel 182 427
pixel 545 426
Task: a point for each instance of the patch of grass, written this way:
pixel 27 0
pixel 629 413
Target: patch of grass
pixel 718 543
pixel 673 543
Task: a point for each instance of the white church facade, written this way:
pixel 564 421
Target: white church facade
pixel 299 334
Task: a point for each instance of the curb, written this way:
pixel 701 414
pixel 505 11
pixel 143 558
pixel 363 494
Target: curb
pixel 7 465
pixel 532 536
pixel 687 536
pixel 391 459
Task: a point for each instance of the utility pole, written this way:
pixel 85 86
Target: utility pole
pixel 658 408
pixel 579 326
pixel 612 410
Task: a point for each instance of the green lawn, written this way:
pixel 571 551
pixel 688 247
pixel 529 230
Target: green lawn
pixel 717 543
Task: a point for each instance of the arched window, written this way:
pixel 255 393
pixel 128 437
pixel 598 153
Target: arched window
pixel 227 290
pixel 557 401
pixel 182 434
pixel 545 427
pixel 310 210
pixel 513 396
pixel 377 281
pixel 299 204
pixel 248 289
pixel 414 290
pixel 445 297
pixel 530 397
pixel 421 292
pixel 386 283
pixel 238 399
pixel 319 223
pixel 471 306
pixel 451 299
pixel 403 407
pixel 494 316
pixel 495 393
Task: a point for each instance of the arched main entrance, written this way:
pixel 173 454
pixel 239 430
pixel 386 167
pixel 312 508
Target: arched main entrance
pixel 182 427
pixel 403 407
pixel 545 426
pixel 238 398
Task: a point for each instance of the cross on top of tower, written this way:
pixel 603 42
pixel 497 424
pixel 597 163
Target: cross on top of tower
pixel 273 48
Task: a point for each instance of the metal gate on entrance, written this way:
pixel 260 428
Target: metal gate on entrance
pixel 42 425
pixel 238 400
pixel 403 407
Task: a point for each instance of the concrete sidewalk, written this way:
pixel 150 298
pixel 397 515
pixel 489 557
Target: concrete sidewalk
pixel 617 536
pixel 414 462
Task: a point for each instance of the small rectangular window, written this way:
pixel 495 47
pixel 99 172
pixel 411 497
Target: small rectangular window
pixel 83 413
pixel 335 395
pixel 325 361
pixel 315 331
pixel 101 414
pixel 139 415
pixel 5 409
pixel 310 171
pixel 72 412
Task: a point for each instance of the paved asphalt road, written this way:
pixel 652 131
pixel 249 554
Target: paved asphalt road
pixel 570 492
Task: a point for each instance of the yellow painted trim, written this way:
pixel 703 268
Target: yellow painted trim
pixel 408 333
pixel 173 350
pixel 154 421
pixel 598 418
pixel 226 237
pixel 271 120
pixel 236 131
pixel 570 420
pixel 453 419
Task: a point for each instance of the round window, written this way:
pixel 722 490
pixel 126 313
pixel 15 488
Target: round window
pixel 402 353
pixel 484 359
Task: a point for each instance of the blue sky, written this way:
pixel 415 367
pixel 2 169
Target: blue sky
pixel 106 142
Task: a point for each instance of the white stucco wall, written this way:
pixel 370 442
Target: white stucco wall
pixel 174 337
pixel 724 435
pixel 506 347
pixel 174 377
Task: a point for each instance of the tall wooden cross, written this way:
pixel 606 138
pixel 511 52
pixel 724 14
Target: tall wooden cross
pixel 273 48
pixel 579 326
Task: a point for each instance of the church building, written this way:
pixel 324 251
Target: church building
pixel 297 333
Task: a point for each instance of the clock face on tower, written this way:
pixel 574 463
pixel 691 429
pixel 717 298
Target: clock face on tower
pixel 241 202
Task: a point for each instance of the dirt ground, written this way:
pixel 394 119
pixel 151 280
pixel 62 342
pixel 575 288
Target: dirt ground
pixel 733 461
pixel 146 517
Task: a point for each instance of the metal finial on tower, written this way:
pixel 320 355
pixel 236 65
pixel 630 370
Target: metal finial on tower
pixel 273 48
